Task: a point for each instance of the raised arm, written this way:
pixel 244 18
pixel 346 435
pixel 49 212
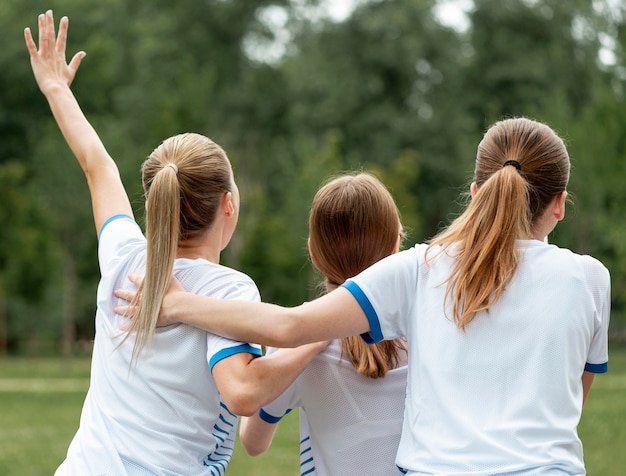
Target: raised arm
pixel 54 77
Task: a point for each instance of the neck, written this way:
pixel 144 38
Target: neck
pixel 201 248
pixel 331 286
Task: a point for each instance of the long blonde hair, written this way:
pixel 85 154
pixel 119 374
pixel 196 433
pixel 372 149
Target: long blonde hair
pixel 354 222
pixel 505 208
pixel 184 180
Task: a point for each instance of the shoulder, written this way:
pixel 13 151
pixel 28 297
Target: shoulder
pixel 569 268
pixel 216 280
pixel 593 268
pixel 120 227
pixel 118 221
pixel 235 278
pixel 119 236
pixel 409 258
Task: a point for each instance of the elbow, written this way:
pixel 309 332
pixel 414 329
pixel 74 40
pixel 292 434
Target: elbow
pixel 243 404
pixel 258 439
pixel 252 447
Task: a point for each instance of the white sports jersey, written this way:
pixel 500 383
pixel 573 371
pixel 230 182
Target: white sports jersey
pixel 164 417
pixel 349 424
pixel 505 396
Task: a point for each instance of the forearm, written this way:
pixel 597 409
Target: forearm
pixel 587 379
pixel 245 321
pixel 77 131
pixel 275 372
pixel 256 435
pixel 247 383
pixel 108 196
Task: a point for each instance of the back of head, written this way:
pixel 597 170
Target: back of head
pixel 202 175
pixel 521 167
pixel 184 180
pixel 540 153
pixel 354 222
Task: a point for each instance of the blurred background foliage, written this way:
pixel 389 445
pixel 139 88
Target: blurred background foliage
pixel 395 87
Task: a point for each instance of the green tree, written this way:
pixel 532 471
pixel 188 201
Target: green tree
pixel 27 257
pixel 526 51
pixel 387 79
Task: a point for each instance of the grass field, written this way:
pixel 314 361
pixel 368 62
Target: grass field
pixel 40 402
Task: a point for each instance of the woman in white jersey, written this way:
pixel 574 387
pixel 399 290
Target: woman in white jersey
pixel 164 401
pixel 351 395
pixel 504 331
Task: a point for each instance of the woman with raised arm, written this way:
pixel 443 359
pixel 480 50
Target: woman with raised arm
pixel 351 395
pixel 504 331
pixel 160 401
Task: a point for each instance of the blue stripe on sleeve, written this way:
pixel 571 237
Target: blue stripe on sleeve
pixel 267 418
pixel 597 368
pixel 375 334
pixel 114 217
pixel 230 351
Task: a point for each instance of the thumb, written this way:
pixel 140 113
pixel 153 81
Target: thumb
pixel 75 63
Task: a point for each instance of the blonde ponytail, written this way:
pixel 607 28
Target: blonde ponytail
pixel 184 180
pixel 162 233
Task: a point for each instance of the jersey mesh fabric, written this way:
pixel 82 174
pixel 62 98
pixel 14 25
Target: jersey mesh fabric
pixel 505 396
pixel 164 416
pixel 354 422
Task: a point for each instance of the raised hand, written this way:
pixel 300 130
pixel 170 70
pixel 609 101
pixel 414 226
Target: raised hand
pixel 48 61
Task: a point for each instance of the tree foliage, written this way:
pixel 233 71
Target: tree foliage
pixel 390 89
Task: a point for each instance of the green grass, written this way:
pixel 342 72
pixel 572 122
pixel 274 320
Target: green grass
pixel 40 402
pixel 282 459
pixel 602 427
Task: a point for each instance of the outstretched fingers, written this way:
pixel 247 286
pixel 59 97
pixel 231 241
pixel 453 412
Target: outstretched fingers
pixel 48 58
pixel 75 63
pixel 46 33
pixel 30 43
pixel 61 39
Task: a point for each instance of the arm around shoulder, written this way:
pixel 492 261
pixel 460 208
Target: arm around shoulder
pixel 334 315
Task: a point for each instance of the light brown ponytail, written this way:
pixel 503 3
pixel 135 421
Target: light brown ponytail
pixel 521 166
